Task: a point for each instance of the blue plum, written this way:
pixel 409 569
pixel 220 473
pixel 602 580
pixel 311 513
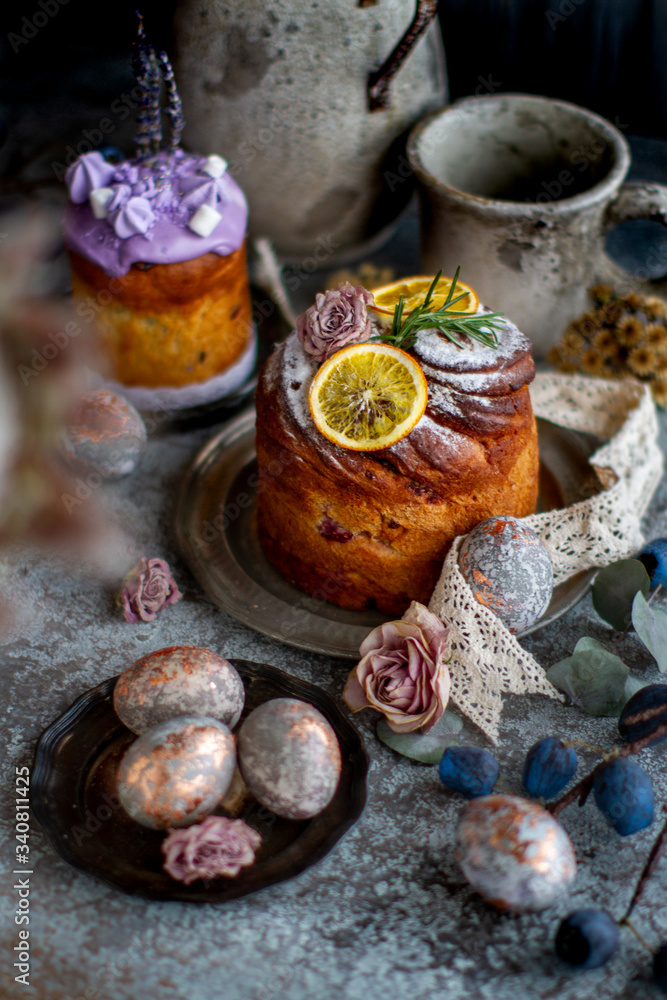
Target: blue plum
pixel 624 795
pixel 587 939
pixel 549 766
pixel 660 967
pixel 654 558
pixel 647 699
pixel 471 771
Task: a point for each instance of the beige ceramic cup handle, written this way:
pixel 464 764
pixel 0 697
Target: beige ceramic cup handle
pixel 640 201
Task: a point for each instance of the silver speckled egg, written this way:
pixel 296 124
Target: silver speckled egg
pixel 177 772
pixel 514 853
pixel 178 680
pixel 289 758
pixel 508 570
pixel 106 436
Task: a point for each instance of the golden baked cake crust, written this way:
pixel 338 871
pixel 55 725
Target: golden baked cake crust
pixel 371 529
pixel 170 324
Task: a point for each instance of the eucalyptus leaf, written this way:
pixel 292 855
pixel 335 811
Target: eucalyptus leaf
pixel 425 747
pixel 651 627
pixel 614 590
pixel 632 686
pixel 593 678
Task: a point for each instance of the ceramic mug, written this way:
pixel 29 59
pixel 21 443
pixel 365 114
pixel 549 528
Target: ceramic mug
pixel 521 191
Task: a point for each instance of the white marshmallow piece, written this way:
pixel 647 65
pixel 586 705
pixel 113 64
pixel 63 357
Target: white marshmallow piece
pixel 215 166
pixel 204 221
pixel 99 199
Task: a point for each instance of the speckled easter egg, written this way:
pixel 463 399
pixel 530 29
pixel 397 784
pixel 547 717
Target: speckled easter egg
pixel 508 570
pixel 177 772
pixel 514 853
pixel 289 758
pixel 178 680
pixel 106 436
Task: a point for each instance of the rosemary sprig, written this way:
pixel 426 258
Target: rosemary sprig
pixel 446 320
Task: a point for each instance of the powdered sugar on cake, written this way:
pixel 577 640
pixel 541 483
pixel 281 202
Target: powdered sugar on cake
pixel 468 388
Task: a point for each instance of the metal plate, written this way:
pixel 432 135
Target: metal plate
pixel 216 529
pixel 73 791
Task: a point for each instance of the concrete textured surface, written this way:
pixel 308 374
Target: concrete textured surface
pixel 387 913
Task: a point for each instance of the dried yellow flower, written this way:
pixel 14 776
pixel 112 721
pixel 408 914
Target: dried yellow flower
pixel 642 361
pixel 606 343
pixel 601 293
pixel 572 341
pixel 567 367
pixel 630 331
pixel 610 312
pixel 655 308
pixel 633 301
pixel 367 274
pixel 655 336
pixel 659 390
pixel 591 363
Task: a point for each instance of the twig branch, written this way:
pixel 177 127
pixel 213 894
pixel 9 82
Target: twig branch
pixel 657 852
pixel 583 788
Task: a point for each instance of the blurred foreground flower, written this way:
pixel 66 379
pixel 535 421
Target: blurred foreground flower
pixel 403 671
pixel 41 371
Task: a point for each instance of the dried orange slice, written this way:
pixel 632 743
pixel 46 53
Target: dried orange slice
pixel 414 292
pixel 368 396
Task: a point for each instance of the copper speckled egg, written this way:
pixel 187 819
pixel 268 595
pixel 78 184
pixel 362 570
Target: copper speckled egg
pixel 177 772
pixel 514 853
pixel 106 436
pixel 178 680
pixel 289 758
pixel 508 570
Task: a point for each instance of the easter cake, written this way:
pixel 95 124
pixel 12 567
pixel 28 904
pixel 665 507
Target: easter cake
pixel 157 251
pixel 370 528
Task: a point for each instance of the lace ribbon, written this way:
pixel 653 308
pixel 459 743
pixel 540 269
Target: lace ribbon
pixel 488 660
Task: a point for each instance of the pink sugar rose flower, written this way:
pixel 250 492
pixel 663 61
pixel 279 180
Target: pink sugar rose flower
pixel 147 589
pixel 338 318
pixel 218 846
pixel 403 671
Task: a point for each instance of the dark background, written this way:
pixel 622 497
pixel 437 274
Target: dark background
pixel 609 55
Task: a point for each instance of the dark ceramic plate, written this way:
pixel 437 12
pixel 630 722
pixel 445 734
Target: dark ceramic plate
pixel 216 529
pixel 73 797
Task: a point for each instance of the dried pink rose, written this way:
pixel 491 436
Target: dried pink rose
pixel 403 671
pixel 147 589
pixel 338 318
pixel 218 846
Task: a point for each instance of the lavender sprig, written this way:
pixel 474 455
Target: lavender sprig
pixel 174 107
pixel 147 73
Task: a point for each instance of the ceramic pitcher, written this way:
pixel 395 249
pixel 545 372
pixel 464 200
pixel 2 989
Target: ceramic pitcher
pixel 520 191
pixel 310 103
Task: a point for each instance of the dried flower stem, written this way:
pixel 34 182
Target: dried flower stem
pixel 583 788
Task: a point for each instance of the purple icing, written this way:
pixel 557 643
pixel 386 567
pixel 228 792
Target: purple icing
pixel 206 192
pixel 121 194
pixel 87 173
pixel 153 201
pixel 135 216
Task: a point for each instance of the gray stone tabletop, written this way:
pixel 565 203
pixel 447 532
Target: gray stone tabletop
pixel 387 913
